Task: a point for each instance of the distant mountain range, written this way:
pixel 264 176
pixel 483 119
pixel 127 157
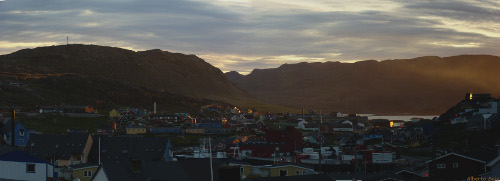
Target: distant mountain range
pixel 425 85
pixel 91 74
pixel 85 74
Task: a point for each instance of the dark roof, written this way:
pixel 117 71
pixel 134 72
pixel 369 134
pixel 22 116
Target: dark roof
pixel 314 177
pixel 294 164
pixel 149 170
pixel 483 154
pixel 20 156
pixel 6 149
pixel 199 169
pixel 186 170
pixel 252 126
pixel 128 147
pixel 60 146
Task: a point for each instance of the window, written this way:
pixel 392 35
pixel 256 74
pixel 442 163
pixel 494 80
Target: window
pixel 297 172
pixel 87 173
pixel 441 165
pixel 303 172
pixel 242 170
pixel 283 172
pixel 21 132
pixel 21 140
pixel 30 168
pixel 455 165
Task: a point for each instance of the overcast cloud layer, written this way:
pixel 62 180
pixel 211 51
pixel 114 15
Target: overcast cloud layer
pixel 245 34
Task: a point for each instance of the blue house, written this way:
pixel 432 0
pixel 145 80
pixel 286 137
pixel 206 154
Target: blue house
pixel 21 134
pixel 19 165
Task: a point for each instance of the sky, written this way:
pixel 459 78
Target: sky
pixel 243 35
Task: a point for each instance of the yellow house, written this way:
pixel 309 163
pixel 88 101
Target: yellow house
pixel 136 130
pixel 84 171
pixel 114 114
pixel 282 169
pixel 63 149
pixel 288 170
pixel 195 130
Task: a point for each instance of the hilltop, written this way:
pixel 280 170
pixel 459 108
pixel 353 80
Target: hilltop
pixel 424 85
pixel 86 74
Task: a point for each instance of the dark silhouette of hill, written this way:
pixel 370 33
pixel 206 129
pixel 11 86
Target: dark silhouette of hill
pixel 424 85
pixel 101 93
pixel 233 76
pixel 89 73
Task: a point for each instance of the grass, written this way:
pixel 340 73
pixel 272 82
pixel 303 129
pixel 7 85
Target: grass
pixel 59 124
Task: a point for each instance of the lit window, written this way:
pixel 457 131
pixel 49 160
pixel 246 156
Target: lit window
pixel 455 165
pixel 30 168
pixel 441 165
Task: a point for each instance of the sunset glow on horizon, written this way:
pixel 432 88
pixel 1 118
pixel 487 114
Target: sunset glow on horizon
pixel 243 35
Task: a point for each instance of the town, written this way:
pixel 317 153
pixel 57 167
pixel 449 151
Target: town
pixel 229 143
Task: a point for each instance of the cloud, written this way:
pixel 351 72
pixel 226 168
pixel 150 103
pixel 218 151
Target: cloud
pixel 247 34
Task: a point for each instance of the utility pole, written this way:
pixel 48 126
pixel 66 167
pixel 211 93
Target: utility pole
pixel 67 40
pixel 320 142
pixel 211 167
pixel 13 127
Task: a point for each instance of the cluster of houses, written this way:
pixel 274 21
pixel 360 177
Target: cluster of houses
pixel 477 112
pixel 252 146
pixel 137 121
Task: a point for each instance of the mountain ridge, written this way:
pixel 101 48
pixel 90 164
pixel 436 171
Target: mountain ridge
pixel 155 72
pixel 423 85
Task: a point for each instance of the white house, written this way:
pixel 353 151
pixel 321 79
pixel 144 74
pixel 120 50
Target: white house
pixel 491 109
pixel 337 114
pixel 18 165
pixel 459 120
pixel 301 124
pixel 100 175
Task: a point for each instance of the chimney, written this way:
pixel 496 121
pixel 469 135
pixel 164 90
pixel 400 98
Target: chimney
pixel 12 133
